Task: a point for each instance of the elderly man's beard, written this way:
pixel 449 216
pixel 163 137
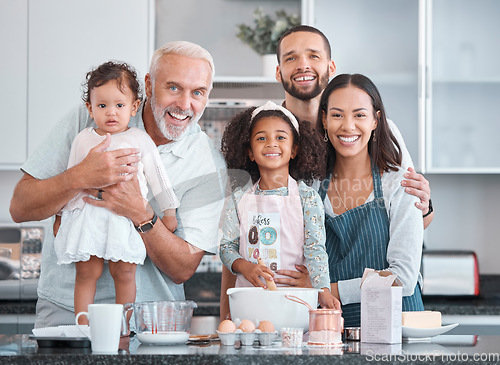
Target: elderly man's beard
pixel 172 132
pixel 321 83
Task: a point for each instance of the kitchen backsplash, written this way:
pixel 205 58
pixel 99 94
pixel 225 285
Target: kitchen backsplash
pixel 210 263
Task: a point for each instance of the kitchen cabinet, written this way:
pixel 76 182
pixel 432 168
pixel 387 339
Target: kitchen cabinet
pixel 434 62
pixel 213 25
pixel 53 44
pixel 16 323
pixel 13 81
pixel 380 40
pixel 463 86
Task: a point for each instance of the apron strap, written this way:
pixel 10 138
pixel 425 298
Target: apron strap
pixel 377 182
pixel 293 187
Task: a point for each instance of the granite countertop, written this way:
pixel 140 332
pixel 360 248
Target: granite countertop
pixel 20 349
pixel 487 303
pixel 204 289
pixel 17 307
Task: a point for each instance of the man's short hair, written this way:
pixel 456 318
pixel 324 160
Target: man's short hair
pixel 183 48
pixel 304 28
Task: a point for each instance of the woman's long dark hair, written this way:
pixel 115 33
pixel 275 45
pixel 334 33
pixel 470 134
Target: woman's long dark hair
pixel 383 147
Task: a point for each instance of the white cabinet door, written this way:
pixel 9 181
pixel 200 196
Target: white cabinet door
pixel 67 39
pixel 213 24
pixel 464 73
pixel 13 81
pixel 380 40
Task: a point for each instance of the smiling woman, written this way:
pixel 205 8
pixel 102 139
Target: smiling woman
pixel 350 120
pixel 370 220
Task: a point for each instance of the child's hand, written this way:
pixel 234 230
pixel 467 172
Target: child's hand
pixel 253 272
pixel 271 285
pixel 328 300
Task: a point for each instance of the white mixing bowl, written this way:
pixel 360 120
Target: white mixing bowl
pixel 258 304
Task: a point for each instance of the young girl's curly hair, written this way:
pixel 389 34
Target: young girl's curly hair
pixel 309 164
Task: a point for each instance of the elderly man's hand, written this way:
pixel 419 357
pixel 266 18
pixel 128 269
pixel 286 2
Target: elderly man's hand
pixel 123 199
pixel 102 168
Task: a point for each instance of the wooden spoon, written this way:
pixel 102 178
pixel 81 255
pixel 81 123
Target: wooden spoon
pixel 271 285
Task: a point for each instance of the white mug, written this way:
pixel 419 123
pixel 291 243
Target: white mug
pixel 105 322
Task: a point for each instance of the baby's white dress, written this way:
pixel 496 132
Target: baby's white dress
pixel 87 230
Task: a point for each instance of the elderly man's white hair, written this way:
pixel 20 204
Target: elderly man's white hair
pixel 183 48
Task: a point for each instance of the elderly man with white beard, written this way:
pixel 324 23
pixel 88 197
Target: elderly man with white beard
pixel 177 89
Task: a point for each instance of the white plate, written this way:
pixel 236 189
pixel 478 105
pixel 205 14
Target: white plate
pixel 72 331
pixel 163 338
pixel 422 333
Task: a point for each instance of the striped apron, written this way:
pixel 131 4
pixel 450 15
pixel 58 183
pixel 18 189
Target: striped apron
pixel 358 239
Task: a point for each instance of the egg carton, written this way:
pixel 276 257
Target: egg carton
pixel 247 338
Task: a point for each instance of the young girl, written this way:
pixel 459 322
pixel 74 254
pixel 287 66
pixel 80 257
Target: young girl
pixel 276 219
pixel 88 235
pixel 370 221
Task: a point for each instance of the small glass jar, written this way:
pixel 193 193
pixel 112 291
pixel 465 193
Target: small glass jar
pixel 325 327
pixel 292 337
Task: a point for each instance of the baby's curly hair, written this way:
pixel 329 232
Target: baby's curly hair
pixel 112 70
pixel 309 164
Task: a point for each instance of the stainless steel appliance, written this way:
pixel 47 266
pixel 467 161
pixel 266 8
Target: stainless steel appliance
pixel 20 256
pixel 450 273
pixel 220 111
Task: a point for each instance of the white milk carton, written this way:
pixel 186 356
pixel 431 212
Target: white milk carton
pixel 381 308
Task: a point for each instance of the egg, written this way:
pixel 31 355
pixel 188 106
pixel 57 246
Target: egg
pixel 227 326
pixel 247 326
pixel 266 326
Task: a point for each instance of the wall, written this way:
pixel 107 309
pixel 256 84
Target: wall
pixel 466 217
pixel 213 25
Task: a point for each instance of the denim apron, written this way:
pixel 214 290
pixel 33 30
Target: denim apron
pixel 358 239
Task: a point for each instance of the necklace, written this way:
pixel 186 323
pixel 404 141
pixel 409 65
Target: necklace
pixel 338 193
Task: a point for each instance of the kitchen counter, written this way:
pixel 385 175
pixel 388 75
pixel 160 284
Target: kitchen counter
pixel 487 303
pixel 204 289
pixel 20 349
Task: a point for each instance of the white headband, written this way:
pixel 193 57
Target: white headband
pixel 272 106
